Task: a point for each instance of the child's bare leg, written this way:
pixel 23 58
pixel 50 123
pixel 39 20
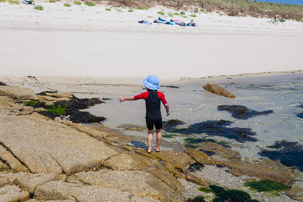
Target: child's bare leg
pixel 159 137
pixel 149 140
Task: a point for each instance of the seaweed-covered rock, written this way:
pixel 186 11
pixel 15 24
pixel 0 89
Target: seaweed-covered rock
pixel 288 153
pixel 218 128
pixel 214 88
pixel 242 112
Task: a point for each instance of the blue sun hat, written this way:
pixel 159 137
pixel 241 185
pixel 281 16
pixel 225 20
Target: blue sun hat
pixel 151 82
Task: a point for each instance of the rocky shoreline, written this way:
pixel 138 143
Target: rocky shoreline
pixel 56 159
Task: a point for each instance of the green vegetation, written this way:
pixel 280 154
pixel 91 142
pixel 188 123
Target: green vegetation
pixel 205 190
pixel 108 9
pixel 67 5
pixel 13 1
pixel 130 10
pixel 38 8
pixel 176 13
pixel 56 110
pixel 34 103
pixel 170 15
pixel 141 8
pixel 161 13
pixel 89 3
pixel 267 186
pixel 197 199
pixel 193 15
pixel 2 1
pixel 150 16
pixel 182 13
pixel 52 1
pixel 77 2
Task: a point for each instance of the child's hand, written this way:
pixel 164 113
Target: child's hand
pixel 121 99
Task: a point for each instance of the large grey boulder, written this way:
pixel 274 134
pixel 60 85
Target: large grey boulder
pixel 44 146
pixel 18 93
pixel 13 193
pixel 57 190
pixel 138 183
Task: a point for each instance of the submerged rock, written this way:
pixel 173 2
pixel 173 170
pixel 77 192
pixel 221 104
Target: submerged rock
pixel 288 153
pixel 2 84
pixel 242 112
pixel 230 195
pixel 214 88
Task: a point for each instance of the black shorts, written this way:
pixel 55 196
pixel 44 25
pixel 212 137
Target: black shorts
pixel 151 123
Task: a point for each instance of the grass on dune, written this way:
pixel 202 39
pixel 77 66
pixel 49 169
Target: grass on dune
pixel 89 3
pixel 67 5
pixel 13 1
pixel 2 1
pixel 38 8
pixel 77 2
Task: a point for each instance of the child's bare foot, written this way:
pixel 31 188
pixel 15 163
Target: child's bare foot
pixel 149 150
pixel 158 150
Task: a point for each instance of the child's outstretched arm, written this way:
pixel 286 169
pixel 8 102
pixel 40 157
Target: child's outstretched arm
pixel 167 109
pixel 122 99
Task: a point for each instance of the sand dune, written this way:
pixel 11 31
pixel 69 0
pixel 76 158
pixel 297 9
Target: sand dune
pixel 93 42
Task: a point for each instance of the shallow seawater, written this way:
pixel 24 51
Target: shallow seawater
pixel 193 105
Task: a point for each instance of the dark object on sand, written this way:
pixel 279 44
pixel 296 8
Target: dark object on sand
pixel 45 92
pixel 288 153
pixel 28 2
pixel 171 86
pixel 2 84
pixel 300 115
pixel 241 112
pixel 214 88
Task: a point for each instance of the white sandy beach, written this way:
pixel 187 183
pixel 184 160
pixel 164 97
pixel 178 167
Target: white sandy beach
pixel 87 41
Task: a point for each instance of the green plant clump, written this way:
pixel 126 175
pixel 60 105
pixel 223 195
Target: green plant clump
pixel 130 10
pixel 89 3
pixel 38 8
pixel 56 110
pixel 108 9
pixel 52 1
pixel 205 190
pixel 141 8
pixel 2 1
pixel 34 103
pixel 77 2
pixel 67 5
pixel 193 15
pixel 161 13
pixel 182 13
pixel 266 186
pixel 13 1
pixel 176 13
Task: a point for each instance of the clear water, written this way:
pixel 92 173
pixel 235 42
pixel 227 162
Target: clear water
pixel 192 104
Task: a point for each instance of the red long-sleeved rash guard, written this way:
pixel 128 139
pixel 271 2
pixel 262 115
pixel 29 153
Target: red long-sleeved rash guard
pixel 145 95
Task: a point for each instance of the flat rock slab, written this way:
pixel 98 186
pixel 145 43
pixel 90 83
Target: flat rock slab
pixel 138 183
pixel 13 193
pixel 57 190
pixel 18 93
pixel 27 181
pixel 44 146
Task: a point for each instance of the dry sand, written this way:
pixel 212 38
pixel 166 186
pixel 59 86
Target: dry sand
pixel 82 41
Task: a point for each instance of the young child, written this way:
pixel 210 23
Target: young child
pixel 153 109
